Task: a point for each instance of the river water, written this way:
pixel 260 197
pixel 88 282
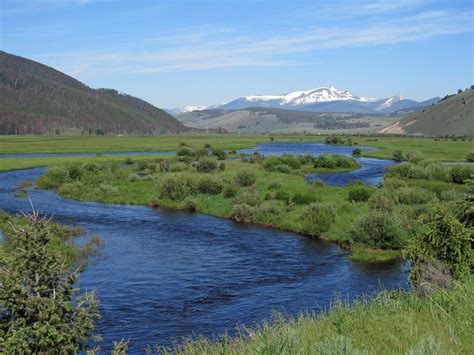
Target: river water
pixel 162 275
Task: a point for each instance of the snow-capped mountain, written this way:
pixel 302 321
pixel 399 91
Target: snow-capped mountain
pixel 319 100
pixel 190 108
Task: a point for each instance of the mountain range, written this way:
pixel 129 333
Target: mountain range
pixel 318 100
pixel 37 99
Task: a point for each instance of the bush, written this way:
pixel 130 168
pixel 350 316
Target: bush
pixel 283 195
pixel 142 165
pixel 177 187
pixel 222 166
pixel 242 212
pixel 230 190
pixel 282 164
pixel 317 182
pixel 356 152
pixel 248 196
pixel 359 192
pixel 435 171
pixel 444 239
pixel 317 218
pixel 334 161
pixel 54 177
pixel 274 185
pixel 459 174
pixel 382 200
pixel 470 156
pixel 75 171
pixel 210 185
pixel 245 177
pixel 190 203
pixel 378 229
pixel 176 167
pixel 128 161
pixel 165 165
pixel 282 168
pixel 413 196
pixel 305 198
pixel 451 195
pixel 219 153
pixel 186 152
pixel 397 155
pixel 207 165
pixel 415 157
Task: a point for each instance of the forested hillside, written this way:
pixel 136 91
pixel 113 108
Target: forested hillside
pixel 36 99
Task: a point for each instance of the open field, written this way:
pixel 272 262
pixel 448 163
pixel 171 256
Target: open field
pixel 442 149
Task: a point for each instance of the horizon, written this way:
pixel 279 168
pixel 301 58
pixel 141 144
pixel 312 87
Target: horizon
pixel 183 53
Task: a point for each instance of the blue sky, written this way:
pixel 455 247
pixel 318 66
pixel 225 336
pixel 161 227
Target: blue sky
pixel 176 53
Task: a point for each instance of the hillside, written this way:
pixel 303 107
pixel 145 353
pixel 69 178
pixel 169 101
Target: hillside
pixel 261 120
pixel 451 116
pixel 36 99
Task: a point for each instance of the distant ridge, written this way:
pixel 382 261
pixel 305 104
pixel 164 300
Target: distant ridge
pixel 451 116
pixel 36 99
pixel 318 100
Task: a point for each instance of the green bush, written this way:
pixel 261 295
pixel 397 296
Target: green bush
pixel 415 157
pixel 222 166
pixel 459 174
pixel 283 195
pixel 54 177
pixel 397 155
pixel 470 156
pixel 245 177
pixel 230 190
pixel 334 161
pixel 75 171
pixel 128 161
pixel 436 171
pixel 142 165
pixel 378 229
pixel 177 187
pixel 242 212
pixel 317 182
pixel 210 185
pixel 282 168
pixel 413 196
pixel 301 198
pixel 445 239
pixel 282 164
pixel 248 196
pixel 274 185
pixel 317 218
pixel 356 152
pixel 207 165
pixel 359 192
pixel 186 152
pixel 382 200
pixel 219 153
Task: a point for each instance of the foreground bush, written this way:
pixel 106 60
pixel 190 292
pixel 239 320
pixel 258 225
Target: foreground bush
pixel 207 165
pixel 210 185
pixel 470 156
pixel 177 187
pixel 317 218
pixel 38 310
pixel 334 161
pixel 459 174
pixel 378 229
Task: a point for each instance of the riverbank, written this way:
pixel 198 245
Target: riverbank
pixel 392 322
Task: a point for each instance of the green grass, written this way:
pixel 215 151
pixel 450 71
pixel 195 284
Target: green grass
pixel 444 150
pixel 391 323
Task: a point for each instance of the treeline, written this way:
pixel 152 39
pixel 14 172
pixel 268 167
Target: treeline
pixel 35 99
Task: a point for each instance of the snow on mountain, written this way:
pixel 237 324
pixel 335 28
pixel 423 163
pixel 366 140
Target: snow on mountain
pixel 389 102
pixel 308 97
pixel 190 108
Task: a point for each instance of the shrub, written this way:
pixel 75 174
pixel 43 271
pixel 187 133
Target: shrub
pixel 242 212
pixel 230 190
pixel 210 185
pixel 283 195
pixel 413 196
pixel 334 140
pixel 459 174
pixel 356 152
pixel 415 157
pixel 142 165
pixel 275 185
pixel 416 172
pixel 397 155
pixel 75 171
pixel 470 156
pixel 444 239
pixel 324 161
pixel 435 171
pixel 382 200
pixel 451 195
pixel 282 168
pixel 359 192
pixel 54 177
pixel 128 161
pixel 248 196
pixel 177 187
pixel 222 166
pixel 305 198
pixel 207 165
pixel 245 177
pixel 334 161
pixel 190 203
pixel 392 183
pixel 378 229
pixel 317 182
pixel 219 153
pixel 164 165
pixel 317 218
pixel 186 152
pixel 177 167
